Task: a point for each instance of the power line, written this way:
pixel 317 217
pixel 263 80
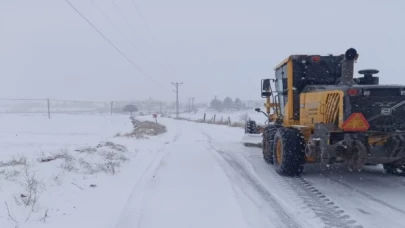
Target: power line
pixel 72 101
pixel 115 25
pixel 176 84
pixel 105 15
pixel 21 99
pixel 139 13
pixel 122 33
pixel 113 45
pixel 127 21
pixel 123 16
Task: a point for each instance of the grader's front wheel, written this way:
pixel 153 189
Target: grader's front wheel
pixel 250 127
pixel 268 142
pixel 289 151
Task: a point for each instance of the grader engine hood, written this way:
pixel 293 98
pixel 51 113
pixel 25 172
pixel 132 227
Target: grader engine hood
pixel 382 106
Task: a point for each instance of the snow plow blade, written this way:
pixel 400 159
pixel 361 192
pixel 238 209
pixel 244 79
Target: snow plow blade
pixel 252 140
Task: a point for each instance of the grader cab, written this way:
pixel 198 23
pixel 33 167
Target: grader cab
pixel 319 113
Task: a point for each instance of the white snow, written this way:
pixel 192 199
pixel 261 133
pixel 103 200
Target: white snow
pixel 194 175
pixel 186 189
pixel 66 195
pixel 237 116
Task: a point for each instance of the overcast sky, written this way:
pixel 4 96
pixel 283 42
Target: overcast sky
pixel 215 47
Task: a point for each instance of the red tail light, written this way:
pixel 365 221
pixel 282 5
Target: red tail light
pixel 316 59
pixel 352 92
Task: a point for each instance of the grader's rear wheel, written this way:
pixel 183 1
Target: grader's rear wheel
pixel 394 169
pixel 289 151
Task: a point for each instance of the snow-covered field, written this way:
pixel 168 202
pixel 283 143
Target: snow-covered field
pixel 194 175
pixel 78 188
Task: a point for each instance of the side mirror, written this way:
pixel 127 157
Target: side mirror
pixel 265 84
pixel 266 94
pixel 258 110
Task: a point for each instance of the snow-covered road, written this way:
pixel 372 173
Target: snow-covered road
pixel 185 187
pixel 194 175
pixel 204 177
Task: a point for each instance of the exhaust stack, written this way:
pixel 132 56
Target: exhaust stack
pixel 348 67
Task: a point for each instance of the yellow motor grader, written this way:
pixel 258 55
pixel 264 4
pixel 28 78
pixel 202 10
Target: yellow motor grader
pixel 319 113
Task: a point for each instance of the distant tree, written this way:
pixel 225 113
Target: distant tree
pixel 216 104
pixel 228 103
pixel 238 104
pixel 130 108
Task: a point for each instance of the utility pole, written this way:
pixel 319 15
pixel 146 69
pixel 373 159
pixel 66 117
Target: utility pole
pixel 111 107
pixel 161 108
pixel 49 108
pixel 189 105
pixel 176 84
pixel 192 103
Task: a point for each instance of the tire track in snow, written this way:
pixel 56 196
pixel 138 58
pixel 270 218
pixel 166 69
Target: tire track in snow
pixel 146 176
pixel 310 197
pixel 330 213
pixel 366 195
pixel 285 219
pixel 313 199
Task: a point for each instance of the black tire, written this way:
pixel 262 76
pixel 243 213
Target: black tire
pixel 394 169
pixel 291 144
pixel 370 164
pixel 268 142
pixel 250 127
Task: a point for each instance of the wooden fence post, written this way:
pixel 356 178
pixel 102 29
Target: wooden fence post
pixel 49 108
